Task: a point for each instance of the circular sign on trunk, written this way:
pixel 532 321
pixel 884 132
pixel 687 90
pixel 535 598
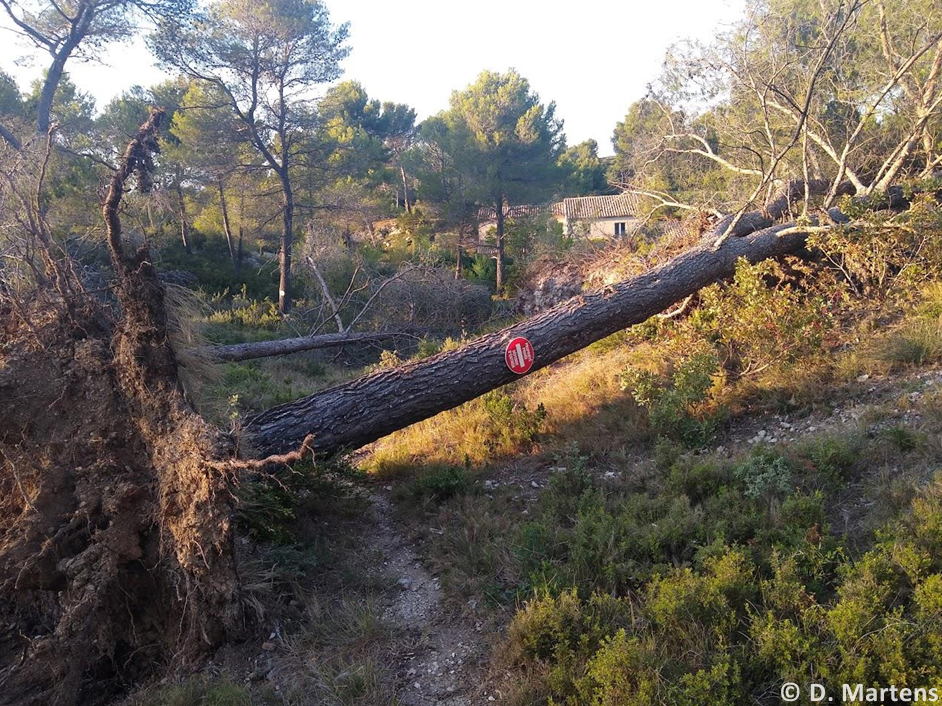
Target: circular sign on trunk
pixel 519 355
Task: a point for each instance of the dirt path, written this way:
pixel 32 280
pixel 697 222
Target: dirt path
pixel 445 665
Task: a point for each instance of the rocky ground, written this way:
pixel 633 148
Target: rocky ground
pixel 446 663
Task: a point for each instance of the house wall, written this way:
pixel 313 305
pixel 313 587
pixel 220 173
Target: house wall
pixel 601 227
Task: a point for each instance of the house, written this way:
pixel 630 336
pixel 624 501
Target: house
pixel 601 216
pixel 584 216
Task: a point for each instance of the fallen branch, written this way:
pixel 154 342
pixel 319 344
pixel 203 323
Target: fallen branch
pixel 263 349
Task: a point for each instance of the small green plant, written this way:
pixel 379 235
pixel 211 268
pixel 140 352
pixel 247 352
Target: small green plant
pixel 388 359
pixel 902 438
pixel 510 424
pixel 680 407
pixel 827 461
pixel 196 691
pixel 266 510
pixel 764 474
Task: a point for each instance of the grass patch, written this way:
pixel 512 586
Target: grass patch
pixel 343 656
pixel 490 427
pixel 433 486
pixel 203 691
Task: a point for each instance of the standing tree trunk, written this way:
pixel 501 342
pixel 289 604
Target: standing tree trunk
pixel 405 189
pixel 225 223
pixel 500 245
pixel 184 226
pixel 284 254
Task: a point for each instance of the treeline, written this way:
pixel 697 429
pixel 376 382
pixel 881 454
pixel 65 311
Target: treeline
pixel 259 150
pixel 252 152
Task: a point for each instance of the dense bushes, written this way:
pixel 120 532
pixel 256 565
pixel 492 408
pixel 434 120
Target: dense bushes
pixel 211 265
pixel 655 596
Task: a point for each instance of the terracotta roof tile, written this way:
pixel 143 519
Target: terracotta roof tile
pixel 593 207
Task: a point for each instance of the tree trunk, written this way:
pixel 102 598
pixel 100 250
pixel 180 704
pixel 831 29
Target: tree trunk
pixel 184 226
pixel 10 138
pixel 359 412
pixel 356 413
pixel 225 223
pixel 263 349
pixel 500 246
pixel 405 189
pixel 284 254
pixel 241 226
pixel 46 96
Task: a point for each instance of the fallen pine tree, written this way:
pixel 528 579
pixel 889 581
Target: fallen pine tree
pixel 356 413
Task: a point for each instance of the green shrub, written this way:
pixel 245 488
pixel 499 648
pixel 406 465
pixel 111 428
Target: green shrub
pixel 760 319
pixel 901 437
pixel 266 510
pixel 679 407
pixel 697 479
pixel 828 461
pixel 764 474
pixel 510 424
pixel 620 673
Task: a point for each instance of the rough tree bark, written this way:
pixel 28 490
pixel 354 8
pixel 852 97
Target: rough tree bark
pixel 184 225
pixel 500 245
pixel 287 235
pixel 356 413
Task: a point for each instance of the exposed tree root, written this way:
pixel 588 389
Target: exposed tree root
pixel 115 525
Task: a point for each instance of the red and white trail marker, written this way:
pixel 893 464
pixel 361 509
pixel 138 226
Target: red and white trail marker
pixel 519 355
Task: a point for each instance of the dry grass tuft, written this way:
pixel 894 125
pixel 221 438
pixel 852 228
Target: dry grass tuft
pixel 344 656
pixel 186 317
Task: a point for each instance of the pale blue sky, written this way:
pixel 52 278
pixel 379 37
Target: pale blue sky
pixel 593 57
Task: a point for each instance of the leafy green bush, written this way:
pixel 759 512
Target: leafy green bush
pixel 827 461
pixel 760 319
pixel 510 424
pixel 679 407
pixel 764 475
